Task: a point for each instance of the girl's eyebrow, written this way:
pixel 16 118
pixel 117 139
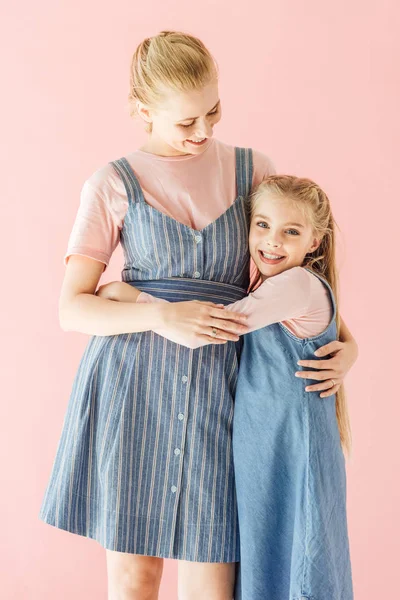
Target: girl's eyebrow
pixel 194 118
pixel 286 224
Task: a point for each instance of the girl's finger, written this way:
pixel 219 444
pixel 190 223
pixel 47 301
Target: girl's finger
pixel 323 386
pixel 316 375
pixel 331 391
pixel 329 348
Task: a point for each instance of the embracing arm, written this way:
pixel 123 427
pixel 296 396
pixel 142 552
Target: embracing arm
pixel 81 310
pixel 275 301
pixel 114 310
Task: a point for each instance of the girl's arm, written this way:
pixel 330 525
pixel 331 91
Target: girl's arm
pixel 275 301
pixel 81 310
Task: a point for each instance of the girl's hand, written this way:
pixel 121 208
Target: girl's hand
pixel 119 291
pixel 194 323
pixel 344 355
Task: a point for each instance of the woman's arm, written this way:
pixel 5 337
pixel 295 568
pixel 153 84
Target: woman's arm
pixel 81 310
pixel 343 355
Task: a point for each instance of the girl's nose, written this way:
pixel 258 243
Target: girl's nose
pixel 274 243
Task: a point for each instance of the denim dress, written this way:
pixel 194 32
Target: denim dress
pixel 144 464
pixel 290 474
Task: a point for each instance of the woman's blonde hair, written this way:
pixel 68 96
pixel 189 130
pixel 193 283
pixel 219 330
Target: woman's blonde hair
pixel 170 60
pixel 312 199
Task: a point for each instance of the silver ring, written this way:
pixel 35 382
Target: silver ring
pixel 214 331
pixel 333 383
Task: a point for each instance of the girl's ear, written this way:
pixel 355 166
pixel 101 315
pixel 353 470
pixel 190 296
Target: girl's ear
pixel 143 111
pixel 315 243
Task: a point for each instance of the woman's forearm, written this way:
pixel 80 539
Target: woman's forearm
pixel 90 314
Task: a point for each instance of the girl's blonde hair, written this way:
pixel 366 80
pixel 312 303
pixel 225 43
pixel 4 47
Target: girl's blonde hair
pixel 313 200
pixel 170 60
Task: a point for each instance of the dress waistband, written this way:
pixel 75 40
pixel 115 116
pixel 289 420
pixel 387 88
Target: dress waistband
pixel 180 289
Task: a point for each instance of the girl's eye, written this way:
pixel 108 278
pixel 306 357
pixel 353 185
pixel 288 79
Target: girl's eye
pixel 262 224
pixel 191 124
pixel 293 232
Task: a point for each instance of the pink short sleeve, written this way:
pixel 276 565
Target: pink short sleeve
pixel 95 232
pixel 262 167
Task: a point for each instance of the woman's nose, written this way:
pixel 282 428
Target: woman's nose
pixel 204 129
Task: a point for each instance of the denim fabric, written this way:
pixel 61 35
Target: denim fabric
pixel 144 464
pixel 290 475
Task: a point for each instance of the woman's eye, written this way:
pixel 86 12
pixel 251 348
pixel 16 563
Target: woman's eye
pixel 191 124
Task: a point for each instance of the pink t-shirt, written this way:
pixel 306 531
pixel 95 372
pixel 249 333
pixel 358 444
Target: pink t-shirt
pixel 295 298
pixel 193 189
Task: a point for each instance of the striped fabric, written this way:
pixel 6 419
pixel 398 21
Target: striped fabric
pixel 144 464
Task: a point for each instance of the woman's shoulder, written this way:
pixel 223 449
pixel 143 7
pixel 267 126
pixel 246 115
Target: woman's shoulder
pixel 105 186
pixel 262 163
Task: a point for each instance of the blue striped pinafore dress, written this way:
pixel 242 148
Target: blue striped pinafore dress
pixel 290 474
pixel 144 463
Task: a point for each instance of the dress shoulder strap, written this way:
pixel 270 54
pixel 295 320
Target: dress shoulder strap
pixel 131 182
pixel 244 170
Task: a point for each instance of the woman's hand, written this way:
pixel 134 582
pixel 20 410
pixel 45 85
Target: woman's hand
pixel 194 324
pixel 332 370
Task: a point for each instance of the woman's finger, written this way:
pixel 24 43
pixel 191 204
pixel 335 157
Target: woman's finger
pixel 213 340
pixel 330 348
pixel 321 387
pixel 316 375
pixel 227 326
pixel 228 315
pixel 331 391
pixel 326 365
pixel 220 334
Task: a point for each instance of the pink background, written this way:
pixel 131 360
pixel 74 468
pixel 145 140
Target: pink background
pixel 314 85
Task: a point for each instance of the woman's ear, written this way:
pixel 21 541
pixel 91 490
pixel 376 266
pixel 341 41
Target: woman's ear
pixel 143 111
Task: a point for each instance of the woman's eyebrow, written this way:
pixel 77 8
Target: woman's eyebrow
pixel 194 118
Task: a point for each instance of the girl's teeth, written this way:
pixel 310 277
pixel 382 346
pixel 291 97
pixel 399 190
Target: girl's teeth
pixel 271 256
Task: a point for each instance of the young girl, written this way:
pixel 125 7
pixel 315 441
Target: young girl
pixel 144 464
pixel 289 464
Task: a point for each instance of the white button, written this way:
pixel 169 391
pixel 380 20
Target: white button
pixel 198 239
pixel 173 489
pixel 184 379
pixel 177 452
pixel 196 274
pixel 180 416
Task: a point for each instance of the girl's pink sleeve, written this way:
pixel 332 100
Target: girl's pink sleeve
pixel 280 298
pixel 95 232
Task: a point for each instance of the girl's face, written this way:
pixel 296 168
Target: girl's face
pixel 280 235
pixel 184 123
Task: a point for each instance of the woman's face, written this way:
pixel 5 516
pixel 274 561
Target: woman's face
pixel 184 123
pixel 280 235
